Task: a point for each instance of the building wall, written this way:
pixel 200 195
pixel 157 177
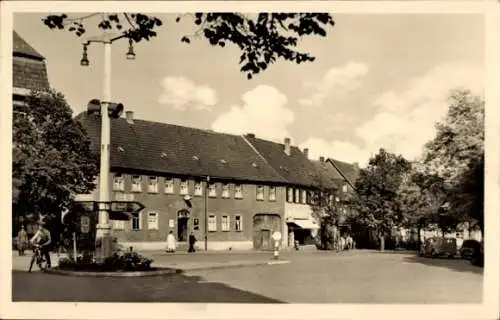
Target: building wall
pixel 167 206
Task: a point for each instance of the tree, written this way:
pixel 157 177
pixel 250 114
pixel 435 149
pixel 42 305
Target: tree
pixel 52 159
pixel 262 38
pixel 377 186
pixel 456 155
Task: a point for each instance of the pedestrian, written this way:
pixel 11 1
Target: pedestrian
pixel 22 241
pixel 171 242
pixel 192 241
pixel 43 239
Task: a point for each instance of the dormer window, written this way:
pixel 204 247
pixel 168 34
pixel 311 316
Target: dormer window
pixel 163 155
pixel 195 158
pixel 223 161
pixel 344 188
pixel 120 149
pixel 254 165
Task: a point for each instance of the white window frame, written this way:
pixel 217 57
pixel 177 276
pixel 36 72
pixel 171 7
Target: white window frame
pixel 303 196
pixel 238 191
pixel 289 195
pixel 259 195
pixel 136 187
pixel 225 223
pixel 225 190
pixel 120 185
pixel 139 222
pixel 153 225
pixel 169 186
pixel 212 190
pixel 272 193
pixel 212 223
pixel 184 187
pixel 344 188
pixel 238 218
pixel 296 195
pixel 118 224
pixel 152 184
pixel 198 188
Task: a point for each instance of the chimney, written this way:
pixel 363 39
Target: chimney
pixel 251 135
pixel 129 115
pixel 287 146
pixel 321 159
pixel 306 152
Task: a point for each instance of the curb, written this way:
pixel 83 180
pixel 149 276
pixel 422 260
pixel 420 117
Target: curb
pixel 125 274
pixel 239 265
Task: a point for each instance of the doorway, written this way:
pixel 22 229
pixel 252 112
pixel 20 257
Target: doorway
pixel 182 225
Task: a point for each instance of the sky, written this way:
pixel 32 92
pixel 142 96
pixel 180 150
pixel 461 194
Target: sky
pixel 379 80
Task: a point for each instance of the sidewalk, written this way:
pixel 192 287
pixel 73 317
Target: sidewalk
pixel 181 260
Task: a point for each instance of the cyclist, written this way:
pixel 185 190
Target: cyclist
pixel 42 239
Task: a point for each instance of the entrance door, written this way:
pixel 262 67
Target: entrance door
pixel 182 228
pixel 265 236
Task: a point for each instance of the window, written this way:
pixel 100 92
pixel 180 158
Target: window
pixel 136 184
pixel 152 220
pixel 337 199
pixel 225 225
pixel 118 224
pixel 260 192
pixel 169 185
pixel 136 222
pixel 272 193
pixel 153 185
pixel 184 187
pixel 296 195
pixel 238 191
pixel 212 192
pixel 289 195
pixel 196 224
pixel 344 188
pixel 198 189
pixel 212 223
pixel 311 197
pixel 119 182
pixel 303 196
pixel 330 199
pixel 225 190
pixel 238 223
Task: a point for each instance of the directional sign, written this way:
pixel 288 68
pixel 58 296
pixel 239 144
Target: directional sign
pixel 126 206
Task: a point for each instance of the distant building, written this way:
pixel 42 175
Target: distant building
pixel 28 70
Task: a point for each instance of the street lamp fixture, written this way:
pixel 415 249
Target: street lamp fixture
pixel 85 60
pixel 130 54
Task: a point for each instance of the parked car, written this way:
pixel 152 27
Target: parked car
pixel 469 249
pixel 437 246
pixel 478 258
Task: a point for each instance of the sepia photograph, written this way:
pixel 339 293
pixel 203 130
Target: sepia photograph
pixel 247 156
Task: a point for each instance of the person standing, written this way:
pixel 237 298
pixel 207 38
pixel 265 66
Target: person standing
pixel 192 241
pixel 22 241
pixel 171 242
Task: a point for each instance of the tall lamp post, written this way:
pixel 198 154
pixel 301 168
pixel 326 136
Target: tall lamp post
pixel 103 232
pixel 206 213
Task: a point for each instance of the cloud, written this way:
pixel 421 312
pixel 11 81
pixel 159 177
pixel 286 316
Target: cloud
pixel 406 117
pixel 339 150
pixel 181 93
pixel 336 81
pixel 405 121
pixel 263 112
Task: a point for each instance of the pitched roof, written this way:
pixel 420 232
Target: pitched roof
pixel 22 48
pixel 346 170
pixel 329 176
pixel 171 149
pixel 28 67
pixel 295 168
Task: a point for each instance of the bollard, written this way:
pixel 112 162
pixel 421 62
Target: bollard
pixel 276 250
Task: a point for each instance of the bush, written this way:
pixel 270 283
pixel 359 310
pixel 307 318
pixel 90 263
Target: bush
pixel 118 261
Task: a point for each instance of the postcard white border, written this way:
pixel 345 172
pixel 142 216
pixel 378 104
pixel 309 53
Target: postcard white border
pixel 487 310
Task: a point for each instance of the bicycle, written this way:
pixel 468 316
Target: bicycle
pixel 39 258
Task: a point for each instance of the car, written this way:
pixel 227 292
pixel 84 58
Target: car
pixel 469 249
pixel 437 246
